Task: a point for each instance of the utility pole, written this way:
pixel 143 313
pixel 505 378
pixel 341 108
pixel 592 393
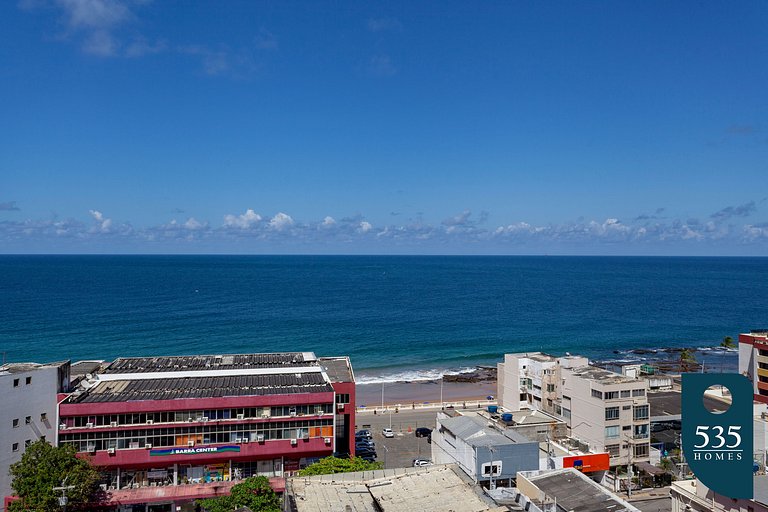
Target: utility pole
pixel 382 396
pixel 442 407
pixel 630 446
pixel 493 483
pixel 64 488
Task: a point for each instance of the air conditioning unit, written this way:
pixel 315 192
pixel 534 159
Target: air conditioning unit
pixel 63 426
pixel 241 416
pixel 259 438
pixel 148 446
pixel 113 424
pixel 238 440
pixel 150 422
pixel 340 406
pixel 190 443
pixel 89 425
pixel 204 418
pixel 328 440
pixel 190 420
pixel 91 448
pixel 292 413
pixel 111 451
pixel 294 442
pixel 245 440
pixel 266 414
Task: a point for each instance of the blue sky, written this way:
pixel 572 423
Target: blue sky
pixel 390 127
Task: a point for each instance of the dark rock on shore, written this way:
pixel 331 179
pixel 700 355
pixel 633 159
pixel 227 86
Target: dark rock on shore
pixel 481 374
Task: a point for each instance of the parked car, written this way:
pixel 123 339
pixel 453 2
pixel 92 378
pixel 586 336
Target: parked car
pixel 364 454
pixel 366 442
pixel 387 432
pixel 364 433
pixel 417 463
pixel 423 432
pixel 369 458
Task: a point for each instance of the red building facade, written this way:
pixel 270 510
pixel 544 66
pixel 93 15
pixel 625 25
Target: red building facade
pixel 184 428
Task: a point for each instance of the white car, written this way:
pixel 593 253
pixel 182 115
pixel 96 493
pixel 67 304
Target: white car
pixel 417 463
pixel 387 432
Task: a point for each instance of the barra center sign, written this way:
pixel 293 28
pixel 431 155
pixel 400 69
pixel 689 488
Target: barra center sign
pixel 195 450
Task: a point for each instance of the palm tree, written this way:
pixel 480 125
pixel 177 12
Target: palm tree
pixel 728 342
pixel 687 359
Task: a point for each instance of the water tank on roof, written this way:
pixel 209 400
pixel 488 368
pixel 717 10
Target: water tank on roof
pixel 506 417
pixel 493 409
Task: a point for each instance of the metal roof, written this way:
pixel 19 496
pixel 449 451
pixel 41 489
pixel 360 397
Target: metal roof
pixel 474 431
pixel 209 362
pixel 204 387
pixel 575 492
pixel 338 369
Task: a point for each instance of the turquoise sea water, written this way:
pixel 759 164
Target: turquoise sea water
pixel 404 316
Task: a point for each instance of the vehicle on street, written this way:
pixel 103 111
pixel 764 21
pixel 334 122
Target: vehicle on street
pixel 363 454
pixel 369 458
pixel 423 432
pixel 364 433
pixel 387 432
pixel 417 463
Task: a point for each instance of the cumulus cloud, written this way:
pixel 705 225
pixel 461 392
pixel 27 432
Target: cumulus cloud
pixel 245 221
pixel 9 206
pixel 102 224
pixel 281 222
pixel 459 231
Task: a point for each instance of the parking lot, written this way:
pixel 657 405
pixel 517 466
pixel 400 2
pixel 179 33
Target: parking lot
pixel 399 451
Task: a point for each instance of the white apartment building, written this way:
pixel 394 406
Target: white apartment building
pixel 606 410
pixel 693 496
pixel 28 399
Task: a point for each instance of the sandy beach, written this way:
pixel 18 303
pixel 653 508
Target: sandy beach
pixel 407 393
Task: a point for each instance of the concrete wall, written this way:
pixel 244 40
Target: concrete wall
pixel 31 400
pixel 514 458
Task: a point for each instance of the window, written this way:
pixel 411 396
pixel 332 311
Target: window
pixel 15 422
pixel 641 412
pixel 28 420
pixel 492 469
pixel 625 393
pixel 612 432
pixel 611 395
pixel 626 427
pixel 597 394
pixel 612 449
pixel 15 383
pixel 43 416
pixel 27 443
pixel 566 413
pixel 550 388
pixel 611 413
pixel 28 381
pixel 15 447
pixel 342 398
pixel 641 431
pixel 641 450
pixel 626 407
pixel 638 392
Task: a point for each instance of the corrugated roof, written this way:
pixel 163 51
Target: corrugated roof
pixel 208 362
pixel 475 432
pixel 204 387
pixel 337 368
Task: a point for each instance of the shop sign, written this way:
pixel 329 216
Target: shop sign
pixel 195 450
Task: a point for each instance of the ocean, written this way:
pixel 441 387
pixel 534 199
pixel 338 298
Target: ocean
pixel 397 317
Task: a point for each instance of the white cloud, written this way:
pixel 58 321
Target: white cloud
pixel 281 222
pixel 103 224
pixel 95 14
pixel 245 221
pixel 328 222
pixel 365 227
pixel 193 225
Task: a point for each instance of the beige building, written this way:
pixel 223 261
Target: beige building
pixel 693 496
pixel 605 410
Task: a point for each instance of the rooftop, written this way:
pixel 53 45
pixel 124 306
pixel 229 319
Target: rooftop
pixel 203 387
pixel 83 368
pixel 475 431
pixel 602 376
pixel 429 489
pixel 12 368
pixel 338 369
pixel 575 492
pixel 210 362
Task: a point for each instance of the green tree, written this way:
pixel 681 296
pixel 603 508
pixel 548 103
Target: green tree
pixel 728 342
pixel 330 465
pixel 687 360
pixel 254 493
pixel 43 467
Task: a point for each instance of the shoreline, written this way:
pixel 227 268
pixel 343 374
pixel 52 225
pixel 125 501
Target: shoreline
pixel 411 394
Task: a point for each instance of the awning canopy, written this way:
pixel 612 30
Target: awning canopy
pixel 650 468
